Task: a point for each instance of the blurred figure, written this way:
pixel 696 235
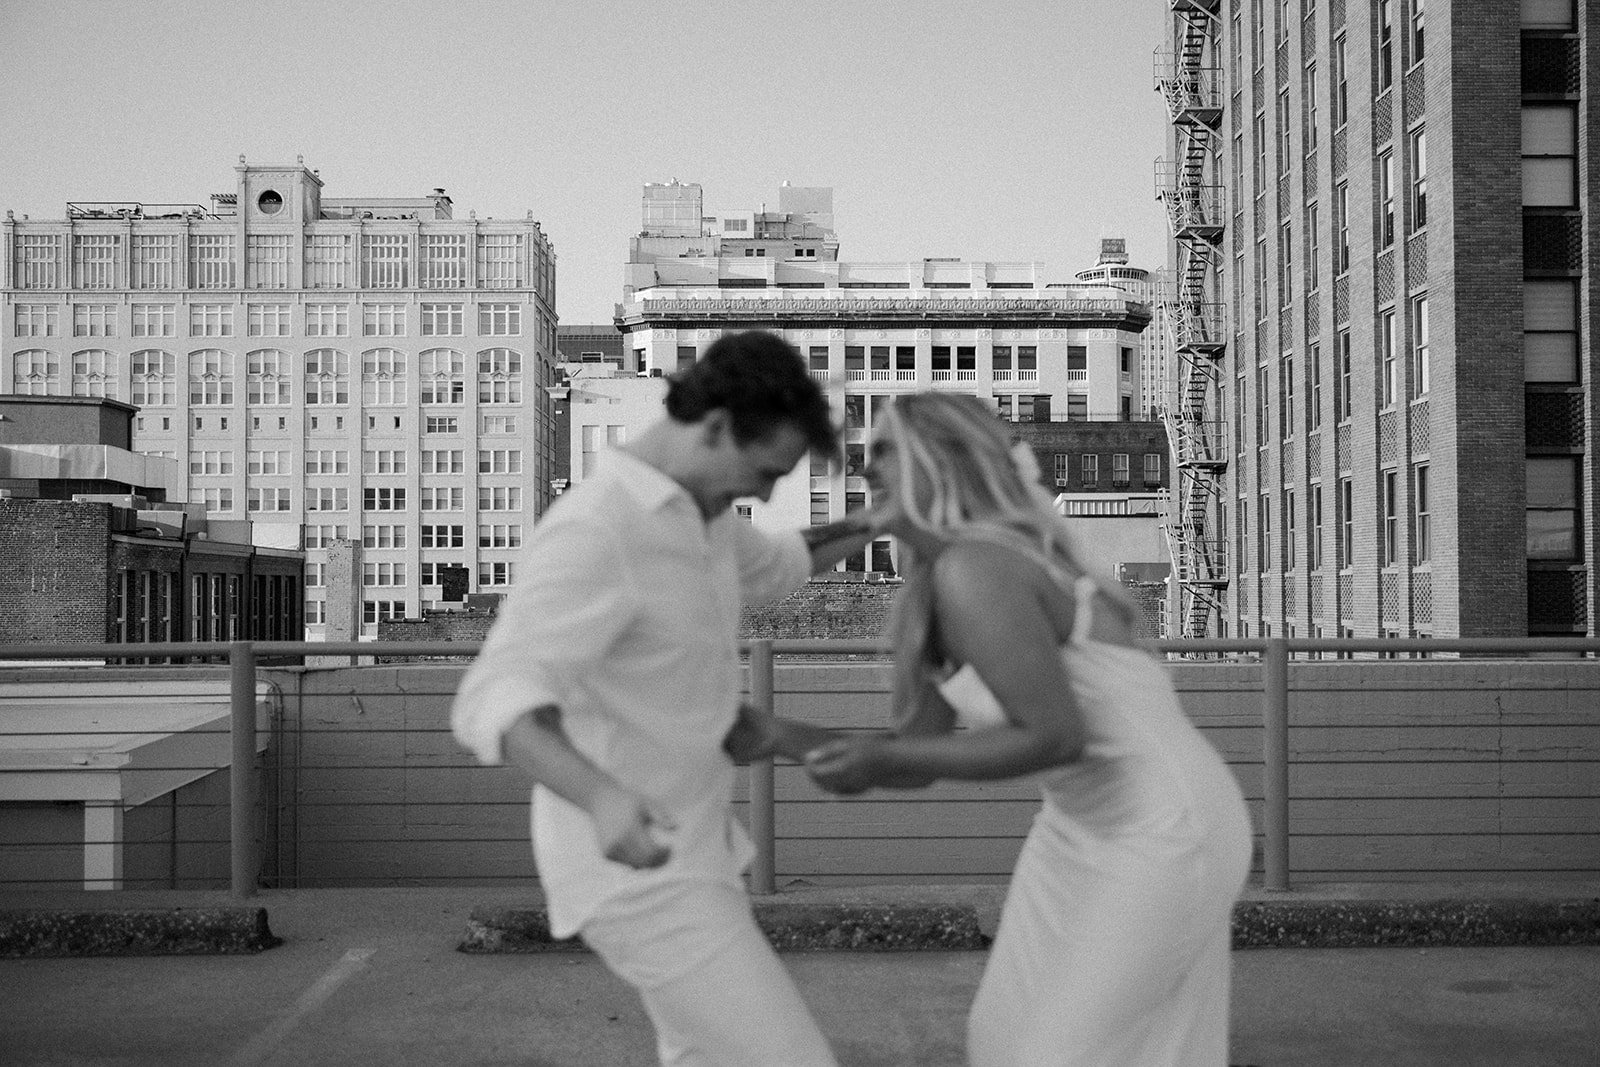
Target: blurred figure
pixel 1113 947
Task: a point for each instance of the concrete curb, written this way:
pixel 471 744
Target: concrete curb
pixel 135 932
pixel 888 927
pixel 791 927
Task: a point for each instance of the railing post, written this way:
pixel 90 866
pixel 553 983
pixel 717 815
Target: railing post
pixel 763 824
pixel 242 770
pixel 1275 762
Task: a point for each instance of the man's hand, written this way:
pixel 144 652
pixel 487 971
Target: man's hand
pixel 754 736
pixel 628 828
pixel 846 765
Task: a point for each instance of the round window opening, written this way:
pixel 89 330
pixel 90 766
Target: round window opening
pixel 269 202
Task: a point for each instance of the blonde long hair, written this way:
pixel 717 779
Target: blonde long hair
pixel 959 480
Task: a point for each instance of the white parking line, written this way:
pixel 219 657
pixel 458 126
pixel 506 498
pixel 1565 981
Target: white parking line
pixel 266 1042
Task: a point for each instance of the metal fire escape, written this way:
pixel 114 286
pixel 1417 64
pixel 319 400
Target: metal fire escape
pixel 1188 74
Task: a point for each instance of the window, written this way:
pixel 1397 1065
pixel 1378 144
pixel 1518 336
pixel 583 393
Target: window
pixel 1421 516
pixel 94 260
pixel 1549 155
pixel 1419 347
pixel 211 261
pixel 1263 427
pixel 443 320
pixel 500 320
pixel 270 461
pixel 1285 266
pixel 499 376
pixel 1419 179
pixel 1341 399
pixel 268 378
pixel 151 320
pixel 1310 100
pixel 1385 44
pixel 434 572
pixel 443 536
pixel 1388 384
pixel 1314 503
pixel 155 258
pixel 210 462
pixel 1152 469
pixel 267 260
pixel 1347 529
pixel 444 261
pixel 1089 468
pixel 1264 534
pixel 94 320
pixel 1341 228
pixel 386 461
pixel 1289 560
pixel 443 376
pixel 1385 200
pixel 1314 386
pixel 210 320
pixel 386 260
pixel 499 498
pixel 1547 14
pixel 1119 468
pixel 268 320
pixel 500 261
pixel 499 535
pixel 1550 330
pixel 494 573
pixel 42 320
pixel 316 613
pixel 217 499
pixel 327 377
pixel 376 611
pixel 383 377
pixel 500 461
pixel 269 498
pixel 1285 145
pixel 327 261
pixel 154 377
pixel 1389 536
pixel 327 498
pixel 1553 531
pixel 383 498
pixel 1418 42
pixel 1313 250
pixel 323 461
pixel 1286 398
pixel 1341 84
pixel 383 320
pixel 1077 407
pixel 498 424
pixel 210 377
pixel 36 373
pixel 384 573
pixel 443 498
pixel 38 261
pixel 440 424
pixel 327 320
pixel 1260 173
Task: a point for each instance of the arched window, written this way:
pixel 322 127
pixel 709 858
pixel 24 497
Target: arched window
pixel 94 373
pixel 36 372
pixel 443 376
pixel 327 376
pixel 154 376
pixel 383 376
pixel 499 376
pixel 210 378
pixel 268 377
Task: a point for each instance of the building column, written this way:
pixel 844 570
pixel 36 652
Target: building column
pixel 102 844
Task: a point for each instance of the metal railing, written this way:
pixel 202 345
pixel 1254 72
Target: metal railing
pixel 1274 654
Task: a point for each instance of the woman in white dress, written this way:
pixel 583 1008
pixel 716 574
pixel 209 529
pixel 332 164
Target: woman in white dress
pixel 1113 943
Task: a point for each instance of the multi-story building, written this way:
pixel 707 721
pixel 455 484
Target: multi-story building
pixel 1037 352
pixel 1153 288
pixel 371 369
pixel 1408 394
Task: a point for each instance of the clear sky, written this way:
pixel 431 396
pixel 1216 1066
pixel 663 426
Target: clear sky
pixel 1024 130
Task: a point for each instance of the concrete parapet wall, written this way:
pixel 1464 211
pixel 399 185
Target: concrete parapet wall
pixel 1405 770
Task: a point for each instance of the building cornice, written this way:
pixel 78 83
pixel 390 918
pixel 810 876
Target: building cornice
pixel 867 312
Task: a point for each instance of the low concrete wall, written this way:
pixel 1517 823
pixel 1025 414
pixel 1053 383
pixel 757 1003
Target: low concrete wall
pixel 1405 770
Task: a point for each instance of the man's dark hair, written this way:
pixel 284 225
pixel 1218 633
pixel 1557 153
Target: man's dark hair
pixel 761 381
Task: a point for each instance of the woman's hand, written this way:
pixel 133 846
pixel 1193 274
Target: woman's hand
pixel 847 765
pixel 628 828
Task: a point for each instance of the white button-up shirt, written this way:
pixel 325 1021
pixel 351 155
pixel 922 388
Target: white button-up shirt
pixel 626 616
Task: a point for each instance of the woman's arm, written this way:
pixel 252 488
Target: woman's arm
pixel 992 608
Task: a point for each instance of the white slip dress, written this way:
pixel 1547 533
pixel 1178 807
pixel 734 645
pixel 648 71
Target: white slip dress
pixel 1113 946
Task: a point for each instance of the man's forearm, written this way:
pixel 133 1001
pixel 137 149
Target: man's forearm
pixel 833 541
pixel 537 745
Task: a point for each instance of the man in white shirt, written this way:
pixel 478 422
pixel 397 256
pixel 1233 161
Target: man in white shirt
pixel 612 677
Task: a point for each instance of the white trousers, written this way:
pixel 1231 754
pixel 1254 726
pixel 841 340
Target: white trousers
pixel 711 984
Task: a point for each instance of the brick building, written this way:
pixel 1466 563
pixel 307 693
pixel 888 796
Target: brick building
pixel 363 368
pixel 1394 427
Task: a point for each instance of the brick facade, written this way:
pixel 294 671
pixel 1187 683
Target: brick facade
pixel 53 584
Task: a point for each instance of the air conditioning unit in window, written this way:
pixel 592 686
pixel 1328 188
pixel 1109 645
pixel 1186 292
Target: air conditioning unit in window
pixel 1061 483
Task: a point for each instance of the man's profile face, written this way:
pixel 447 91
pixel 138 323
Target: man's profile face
pixel 750 469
